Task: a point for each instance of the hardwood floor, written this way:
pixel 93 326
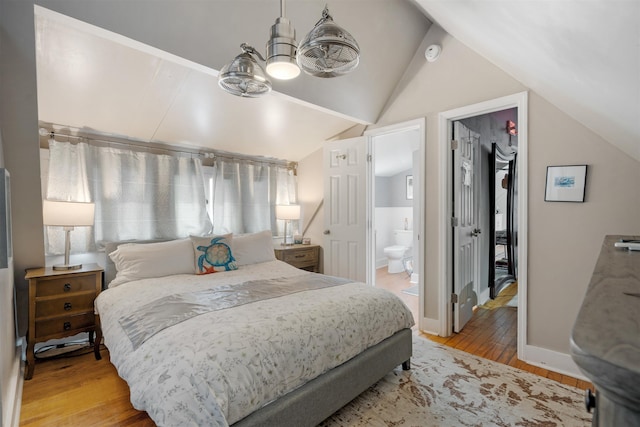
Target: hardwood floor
pixel 78 391
pixel 491 333
pixel 82 391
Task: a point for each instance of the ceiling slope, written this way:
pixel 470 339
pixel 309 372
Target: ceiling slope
pixel 582 56
pixel 175 104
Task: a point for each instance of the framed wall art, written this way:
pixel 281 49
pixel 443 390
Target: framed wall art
pixel 409 187
pixel 566 183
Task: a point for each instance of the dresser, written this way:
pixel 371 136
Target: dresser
pixel 605 341
pixel 306 257
pixel 61 305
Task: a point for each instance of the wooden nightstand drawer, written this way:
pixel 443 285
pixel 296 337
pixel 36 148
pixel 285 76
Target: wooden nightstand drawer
pixel 65 304
pixel 65 285
pixel 64 325
pixel 306 257
pixel 61 305
pixel 301 256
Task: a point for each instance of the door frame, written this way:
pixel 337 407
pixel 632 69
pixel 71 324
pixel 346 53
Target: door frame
pixel 418 223
pixel 519 101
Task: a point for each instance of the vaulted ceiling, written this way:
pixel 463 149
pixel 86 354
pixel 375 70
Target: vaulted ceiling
pixel 582 56
pixel 148 71
pixel 97 81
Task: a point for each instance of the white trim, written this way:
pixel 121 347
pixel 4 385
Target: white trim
pixel 484 296
pixel 419 125
pixel 430 325
pixel 15 382
pixel 555 361
pixel 519 101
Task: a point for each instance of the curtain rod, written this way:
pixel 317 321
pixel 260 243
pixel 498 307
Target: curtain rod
pixel 145 146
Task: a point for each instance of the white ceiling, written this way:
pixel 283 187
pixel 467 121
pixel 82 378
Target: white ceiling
pixel 95 81
pixel 394 152
pixel 583 56
pixel 94 85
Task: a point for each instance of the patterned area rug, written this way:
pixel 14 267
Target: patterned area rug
pixel 447 387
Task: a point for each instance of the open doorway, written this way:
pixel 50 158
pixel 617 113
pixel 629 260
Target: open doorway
pixel 396 211
pixel 495 170
pixel 447 244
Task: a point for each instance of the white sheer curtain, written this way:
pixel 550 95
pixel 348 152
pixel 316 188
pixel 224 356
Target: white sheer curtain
pixel 245 194
pixel 138 195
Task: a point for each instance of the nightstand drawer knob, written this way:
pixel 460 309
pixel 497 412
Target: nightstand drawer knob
pixel 67 326
pixel 67 306
pixel 67 287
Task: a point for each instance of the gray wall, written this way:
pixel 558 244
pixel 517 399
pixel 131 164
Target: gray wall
pixel 391 190
pixel 383 191
pixel 19 123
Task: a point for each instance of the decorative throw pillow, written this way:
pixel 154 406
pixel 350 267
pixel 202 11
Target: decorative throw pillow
pixel 253 248
pixel 213 254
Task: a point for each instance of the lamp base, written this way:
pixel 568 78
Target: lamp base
pixel 64 267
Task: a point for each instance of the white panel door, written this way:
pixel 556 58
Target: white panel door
pixel 345 167
pixel 466 267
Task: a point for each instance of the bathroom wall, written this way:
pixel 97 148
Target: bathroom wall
pixel 392 207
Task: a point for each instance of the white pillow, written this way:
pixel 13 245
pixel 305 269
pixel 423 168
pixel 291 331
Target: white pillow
pixel 253 248
pixel 134 261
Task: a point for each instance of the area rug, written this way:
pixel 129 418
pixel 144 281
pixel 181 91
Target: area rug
pixel 447 387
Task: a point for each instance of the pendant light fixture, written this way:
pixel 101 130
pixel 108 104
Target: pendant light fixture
pixel 328 50
pixel 281 49
pixel 244 76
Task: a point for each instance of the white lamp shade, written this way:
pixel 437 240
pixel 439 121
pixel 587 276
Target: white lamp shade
pixel 288 211
pixel 67 214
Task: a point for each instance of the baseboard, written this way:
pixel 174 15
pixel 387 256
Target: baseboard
pixel 484 296
pixel 429 326
pixel 15 383
pixel 555 361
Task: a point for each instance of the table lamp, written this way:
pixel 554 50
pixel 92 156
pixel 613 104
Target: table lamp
pixel 287 213
pixel 67 215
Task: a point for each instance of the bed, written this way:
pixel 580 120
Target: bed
pixel 265 344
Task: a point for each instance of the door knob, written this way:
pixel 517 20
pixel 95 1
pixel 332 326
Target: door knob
pixel 327 232
pixel 476 232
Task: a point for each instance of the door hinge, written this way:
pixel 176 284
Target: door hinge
pixel 454 221
pixel 369 158
pixel 454 144
pixel 454 298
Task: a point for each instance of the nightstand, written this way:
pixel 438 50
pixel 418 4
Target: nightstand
pixel 61 305
pixel 306 257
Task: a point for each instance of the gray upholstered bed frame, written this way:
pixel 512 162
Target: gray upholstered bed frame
pixel 316 400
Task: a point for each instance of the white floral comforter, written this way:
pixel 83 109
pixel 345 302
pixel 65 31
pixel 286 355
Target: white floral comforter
pixel 216 368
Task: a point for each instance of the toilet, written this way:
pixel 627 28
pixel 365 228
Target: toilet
pixel 403 241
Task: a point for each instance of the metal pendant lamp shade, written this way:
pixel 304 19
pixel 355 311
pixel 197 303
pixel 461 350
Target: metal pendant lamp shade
pixel 281 49
pixel 244 76
pixel 328 50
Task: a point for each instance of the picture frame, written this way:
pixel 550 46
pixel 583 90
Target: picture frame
pixel 566 183
pixel 409 187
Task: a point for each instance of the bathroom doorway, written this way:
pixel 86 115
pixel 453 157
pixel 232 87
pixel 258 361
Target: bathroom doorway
pixel 396 211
